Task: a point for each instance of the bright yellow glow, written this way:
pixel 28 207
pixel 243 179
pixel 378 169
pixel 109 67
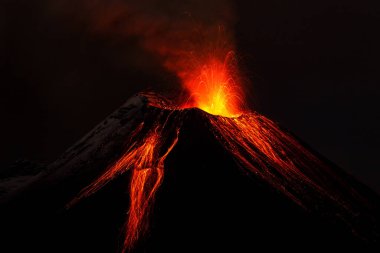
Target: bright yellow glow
pixel 213 88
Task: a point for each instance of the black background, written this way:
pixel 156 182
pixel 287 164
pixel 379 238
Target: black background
pixel 313 66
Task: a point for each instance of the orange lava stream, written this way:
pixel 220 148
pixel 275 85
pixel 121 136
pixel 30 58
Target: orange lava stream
pixel 147 165
pixel 143 187
pixel 276 157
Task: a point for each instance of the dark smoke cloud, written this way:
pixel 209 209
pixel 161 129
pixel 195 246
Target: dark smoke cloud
pixel 163 23
pixel 176 31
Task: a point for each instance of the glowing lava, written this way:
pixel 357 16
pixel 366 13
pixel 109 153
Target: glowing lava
pixel 147 164
pixel 142 190
pixel 273 155
pixel 213 87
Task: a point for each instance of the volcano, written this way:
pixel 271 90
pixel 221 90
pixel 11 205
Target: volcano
pixel 155 178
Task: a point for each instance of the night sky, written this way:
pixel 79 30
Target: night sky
pixel 312 65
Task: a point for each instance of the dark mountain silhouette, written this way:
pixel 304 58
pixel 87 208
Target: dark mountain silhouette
pixel 206 203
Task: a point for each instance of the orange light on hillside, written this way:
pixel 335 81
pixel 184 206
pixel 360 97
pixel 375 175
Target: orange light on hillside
pixel 147 167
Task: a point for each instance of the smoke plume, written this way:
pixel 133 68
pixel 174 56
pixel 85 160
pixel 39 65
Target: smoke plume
pixel 185 35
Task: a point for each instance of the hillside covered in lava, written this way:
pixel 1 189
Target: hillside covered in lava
pixel 155 178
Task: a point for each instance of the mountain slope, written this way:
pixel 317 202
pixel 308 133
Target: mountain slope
pixel 207 200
